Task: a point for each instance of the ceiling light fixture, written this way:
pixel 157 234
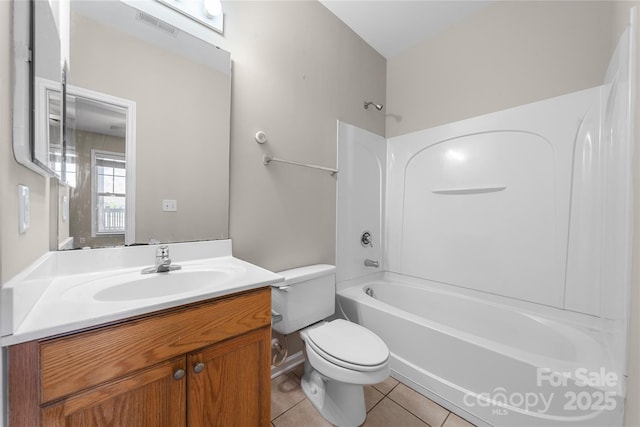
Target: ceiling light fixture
pixel 212 8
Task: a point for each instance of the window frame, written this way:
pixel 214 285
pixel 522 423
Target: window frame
pixel 111 155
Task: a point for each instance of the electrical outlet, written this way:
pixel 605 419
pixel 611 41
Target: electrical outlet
pixel 169 205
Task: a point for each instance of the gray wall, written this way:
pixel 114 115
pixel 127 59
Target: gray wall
pixel 508 54
pixel 17 251
pixel 296 70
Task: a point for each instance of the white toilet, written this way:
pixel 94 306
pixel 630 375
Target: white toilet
pixel 341 356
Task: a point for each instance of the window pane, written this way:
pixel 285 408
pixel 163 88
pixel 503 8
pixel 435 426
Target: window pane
pixel 111 214
pixel 110 187
pixel 120 185
pixel 107 181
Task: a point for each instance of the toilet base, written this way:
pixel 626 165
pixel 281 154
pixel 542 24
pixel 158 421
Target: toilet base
pixel 339 403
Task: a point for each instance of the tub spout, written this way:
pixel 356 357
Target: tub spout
pixel 371 263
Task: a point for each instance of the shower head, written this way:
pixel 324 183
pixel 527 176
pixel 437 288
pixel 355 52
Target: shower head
pixel 367 103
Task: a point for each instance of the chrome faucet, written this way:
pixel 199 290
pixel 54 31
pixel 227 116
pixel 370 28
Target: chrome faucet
pixel 371 263
pixel 163 262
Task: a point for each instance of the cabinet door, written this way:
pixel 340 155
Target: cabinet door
pixel 229 383
pixel 153 397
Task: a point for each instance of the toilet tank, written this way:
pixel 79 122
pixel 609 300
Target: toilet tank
pixel 306 296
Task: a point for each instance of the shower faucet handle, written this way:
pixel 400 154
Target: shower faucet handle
pixel 366 239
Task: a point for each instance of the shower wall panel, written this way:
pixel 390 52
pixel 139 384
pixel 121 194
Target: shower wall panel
pixel 485 203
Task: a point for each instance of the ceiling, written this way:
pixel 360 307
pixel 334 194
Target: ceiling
pixel 391 26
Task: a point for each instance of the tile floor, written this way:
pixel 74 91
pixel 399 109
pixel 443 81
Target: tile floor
pixel 389 403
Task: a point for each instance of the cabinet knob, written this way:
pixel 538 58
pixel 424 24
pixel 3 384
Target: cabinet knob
pixel 178 375
pixel 199 367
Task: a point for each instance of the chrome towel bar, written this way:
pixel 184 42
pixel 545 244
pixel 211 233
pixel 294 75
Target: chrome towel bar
pixel 268 159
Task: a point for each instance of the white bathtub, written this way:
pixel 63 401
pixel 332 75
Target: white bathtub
pixel 499 365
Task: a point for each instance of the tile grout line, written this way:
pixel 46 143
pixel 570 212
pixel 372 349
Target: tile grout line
pixel 390 390
pixel 445 419
pixel 288 409
pixel 415 415
pixel 377 403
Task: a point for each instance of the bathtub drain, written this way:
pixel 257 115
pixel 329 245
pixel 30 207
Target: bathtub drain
pixel 368 291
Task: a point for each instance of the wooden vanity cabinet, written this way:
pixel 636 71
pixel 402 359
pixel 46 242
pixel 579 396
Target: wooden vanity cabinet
pixel 148 398
pixel 206 364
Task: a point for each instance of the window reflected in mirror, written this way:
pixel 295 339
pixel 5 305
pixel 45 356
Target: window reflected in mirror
pixel 109 190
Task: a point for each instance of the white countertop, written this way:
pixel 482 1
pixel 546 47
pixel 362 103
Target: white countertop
pixel 68 301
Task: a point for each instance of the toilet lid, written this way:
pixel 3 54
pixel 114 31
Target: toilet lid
pixel 349 342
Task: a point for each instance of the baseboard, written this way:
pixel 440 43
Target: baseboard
pixel 288 364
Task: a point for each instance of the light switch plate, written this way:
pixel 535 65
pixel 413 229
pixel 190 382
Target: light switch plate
pixel 23 209
pixel 65 208
pixel 169 205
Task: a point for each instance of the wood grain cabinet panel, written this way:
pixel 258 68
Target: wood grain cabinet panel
pixel 149 398
pixel 83 360
pixel 233 385
pixel 140 372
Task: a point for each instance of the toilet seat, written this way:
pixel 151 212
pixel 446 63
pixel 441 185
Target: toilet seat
pixel 348 345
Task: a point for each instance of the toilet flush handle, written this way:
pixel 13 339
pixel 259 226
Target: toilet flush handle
pixel 275 316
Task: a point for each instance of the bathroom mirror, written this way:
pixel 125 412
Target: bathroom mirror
pixel 37 84
pixel 148 104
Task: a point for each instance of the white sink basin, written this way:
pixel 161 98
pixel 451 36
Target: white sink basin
pixel 161 284
pixel 133 285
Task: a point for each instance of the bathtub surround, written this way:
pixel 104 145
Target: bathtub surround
pixel 527 210
pixel 361 198
pixel 463 72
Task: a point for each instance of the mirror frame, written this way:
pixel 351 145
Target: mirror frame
pixel 24 91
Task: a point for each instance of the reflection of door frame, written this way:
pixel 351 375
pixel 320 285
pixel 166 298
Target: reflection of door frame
pixel 130 150
pixel 44 89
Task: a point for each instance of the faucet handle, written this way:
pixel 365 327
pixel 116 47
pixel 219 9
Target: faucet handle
pixel 366 239
pixel 162 251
